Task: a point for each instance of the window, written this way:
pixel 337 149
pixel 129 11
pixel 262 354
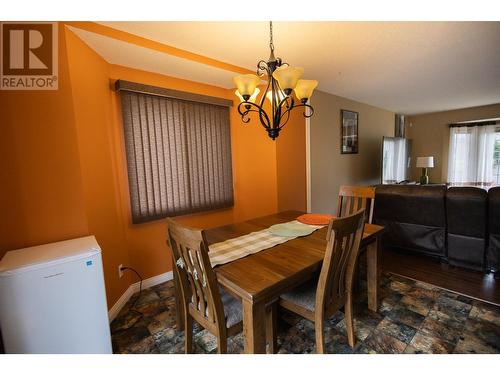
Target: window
pixel 474 156
pixel 395 159
pixel 178 152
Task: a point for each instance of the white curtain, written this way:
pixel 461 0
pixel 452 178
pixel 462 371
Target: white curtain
pixel 394 159
pixel 471 154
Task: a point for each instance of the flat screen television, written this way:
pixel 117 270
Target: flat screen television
pixel 396 160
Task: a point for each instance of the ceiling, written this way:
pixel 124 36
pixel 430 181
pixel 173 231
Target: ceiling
pixel 405 67
pixel 133 56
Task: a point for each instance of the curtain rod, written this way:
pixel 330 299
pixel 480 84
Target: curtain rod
pixel 121 85
pixel 472 124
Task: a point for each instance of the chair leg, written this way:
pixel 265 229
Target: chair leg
pixel 320 338
pixel 349 320
pixel 221 343
pixel 271 328
pixel 188 333
pixel 179 308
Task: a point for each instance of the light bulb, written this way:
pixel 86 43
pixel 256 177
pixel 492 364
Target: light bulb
pixel 251 99
pixel 281 96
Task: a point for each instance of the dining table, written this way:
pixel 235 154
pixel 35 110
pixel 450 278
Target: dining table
pixel 260 278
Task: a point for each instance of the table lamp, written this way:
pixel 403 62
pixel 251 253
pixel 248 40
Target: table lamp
pixel 425 162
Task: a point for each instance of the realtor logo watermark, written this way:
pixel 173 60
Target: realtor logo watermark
pixel 29 56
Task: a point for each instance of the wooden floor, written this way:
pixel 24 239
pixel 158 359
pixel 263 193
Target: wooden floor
pixel 468 283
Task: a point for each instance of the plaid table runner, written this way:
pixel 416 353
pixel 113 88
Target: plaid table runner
pixel 239 247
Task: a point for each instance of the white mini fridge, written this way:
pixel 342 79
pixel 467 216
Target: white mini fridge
pixel 52 299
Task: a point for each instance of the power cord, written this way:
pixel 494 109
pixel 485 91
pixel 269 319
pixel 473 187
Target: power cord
pixel 132 308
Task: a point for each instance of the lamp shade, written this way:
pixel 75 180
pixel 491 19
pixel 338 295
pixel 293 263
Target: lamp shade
pixel 288 76
pixel 252 98
pixel 305 88
pixel 246 84
pixel 425 162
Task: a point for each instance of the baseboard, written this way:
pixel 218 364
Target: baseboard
pixel 147 283
pixel 155 280
pixel 113 312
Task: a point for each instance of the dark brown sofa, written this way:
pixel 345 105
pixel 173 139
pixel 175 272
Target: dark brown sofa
pixel 460 225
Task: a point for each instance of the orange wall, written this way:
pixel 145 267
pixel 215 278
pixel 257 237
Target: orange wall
pixel 41 196
pixel 64 175
pixel 105 183
pixel 89 75
pixel 254 176
pixel 291 164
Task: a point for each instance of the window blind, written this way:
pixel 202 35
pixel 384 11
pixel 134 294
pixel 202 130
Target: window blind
pixel 178 155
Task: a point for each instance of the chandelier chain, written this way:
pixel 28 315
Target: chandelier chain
pixel 271 45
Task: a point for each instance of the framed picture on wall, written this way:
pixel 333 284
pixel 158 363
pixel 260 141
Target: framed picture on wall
pixel 349 132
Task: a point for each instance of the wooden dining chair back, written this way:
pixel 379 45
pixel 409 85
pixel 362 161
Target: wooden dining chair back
pixel 318 302
pixel 201 298
pixel 353 198
pixel 335 282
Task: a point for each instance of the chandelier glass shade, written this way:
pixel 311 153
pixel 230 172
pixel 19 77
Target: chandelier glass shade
pixel 252 98
pixel 282 81
pixel 305 88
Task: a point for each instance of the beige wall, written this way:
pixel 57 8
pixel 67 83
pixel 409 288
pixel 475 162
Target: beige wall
pixel 329 168
pixel 431 135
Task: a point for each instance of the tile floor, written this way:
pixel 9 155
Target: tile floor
pixel 414 317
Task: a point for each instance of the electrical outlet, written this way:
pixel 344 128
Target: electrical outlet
pixel 120 271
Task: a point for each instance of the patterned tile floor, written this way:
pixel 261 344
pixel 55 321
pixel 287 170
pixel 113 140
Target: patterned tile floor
pixel 414 317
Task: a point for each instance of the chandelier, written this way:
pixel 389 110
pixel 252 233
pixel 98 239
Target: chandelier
pixel 282 80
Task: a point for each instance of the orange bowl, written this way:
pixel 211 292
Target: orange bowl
pixel 315 219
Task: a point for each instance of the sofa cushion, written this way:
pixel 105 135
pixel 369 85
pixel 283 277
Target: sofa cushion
pixel 413 216
pixel 414 237
pixel 493 254
pixel 466 211
pixel 465 251
pixel 494 210
pixel 414 204
pixel 466 215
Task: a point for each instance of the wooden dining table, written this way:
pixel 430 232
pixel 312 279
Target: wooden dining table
pixel 259 279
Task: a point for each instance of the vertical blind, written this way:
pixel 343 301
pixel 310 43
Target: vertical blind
pixel 178 155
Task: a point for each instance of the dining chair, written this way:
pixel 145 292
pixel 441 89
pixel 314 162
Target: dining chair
pixel 201 297
pixel 353 198
pixel 318 299
pixel 350 200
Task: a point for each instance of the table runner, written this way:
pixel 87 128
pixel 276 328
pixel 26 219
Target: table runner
pixel 239 247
